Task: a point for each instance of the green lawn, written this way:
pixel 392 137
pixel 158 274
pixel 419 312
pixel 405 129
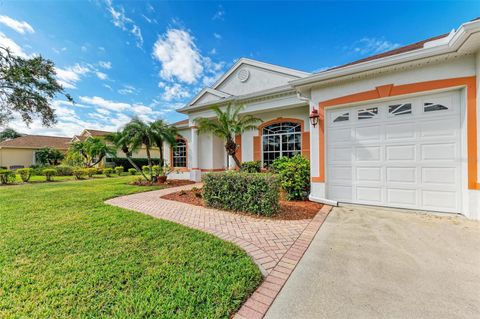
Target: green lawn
pixel 64 253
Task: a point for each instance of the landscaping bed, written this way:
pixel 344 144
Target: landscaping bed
pixel 169 183
pixel 289 210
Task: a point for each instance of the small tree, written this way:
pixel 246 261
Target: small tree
pixel 227 125
pixel 163 133
pixel 140 133
pixel 9 134
pixel 27 86
pixel 93 150
pixel 49 156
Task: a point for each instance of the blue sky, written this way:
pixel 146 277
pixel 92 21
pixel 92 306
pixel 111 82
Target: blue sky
pixel 124 58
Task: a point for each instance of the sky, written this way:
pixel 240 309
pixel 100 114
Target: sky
pixel 120 59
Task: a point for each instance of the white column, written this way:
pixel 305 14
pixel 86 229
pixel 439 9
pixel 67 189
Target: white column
pixel 195 173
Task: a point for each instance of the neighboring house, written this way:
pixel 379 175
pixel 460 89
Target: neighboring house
pixel 397 129
pixel 21 151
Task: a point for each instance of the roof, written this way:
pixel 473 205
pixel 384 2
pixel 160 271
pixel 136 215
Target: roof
pixel 37 141
pixel 182 122
pixel 97 133
pixel 407 48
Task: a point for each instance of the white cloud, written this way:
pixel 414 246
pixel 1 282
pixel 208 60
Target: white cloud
pixel 128 89
pixel 179 55
pixel 69 76
pixel 101 75
pixel 84 48
pixel 220 14
pixel 6 42
pixel 58 51
pixel 106 104
pixel 373 45
pixel 213 51
pixel 19 26
pixel 217 36
pixel 105 64
pixel 175 92
pixel 120 20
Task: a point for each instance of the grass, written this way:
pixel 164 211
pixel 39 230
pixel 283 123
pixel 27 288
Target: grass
pixel 41 178
pixel 64 253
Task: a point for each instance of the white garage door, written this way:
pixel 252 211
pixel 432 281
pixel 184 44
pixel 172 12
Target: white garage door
pixel 403 153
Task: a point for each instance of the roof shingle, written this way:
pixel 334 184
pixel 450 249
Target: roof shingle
pixel 38 141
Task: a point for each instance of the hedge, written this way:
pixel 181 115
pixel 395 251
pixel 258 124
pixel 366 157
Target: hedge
pixel 120 161
pixel 7 176
pixel 25 174
pixel 251 167
pixel 294 175
pixel 244 192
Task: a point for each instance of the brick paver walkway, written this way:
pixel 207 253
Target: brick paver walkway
pixel 276 246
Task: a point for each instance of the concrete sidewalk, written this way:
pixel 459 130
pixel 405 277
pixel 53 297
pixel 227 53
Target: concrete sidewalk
pixel 374 263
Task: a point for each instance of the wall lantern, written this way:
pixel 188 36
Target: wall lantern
pixel 314 115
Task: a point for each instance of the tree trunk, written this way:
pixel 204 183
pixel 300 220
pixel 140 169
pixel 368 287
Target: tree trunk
pixel 149 163
pixel 135 166
pixel 161 156
pixel 231 148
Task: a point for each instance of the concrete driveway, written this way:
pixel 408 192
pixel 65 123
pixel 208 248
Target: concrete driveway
pixel 376 263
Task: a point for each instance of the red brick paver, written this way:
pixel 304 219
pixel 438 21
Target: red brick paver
pixel 275 245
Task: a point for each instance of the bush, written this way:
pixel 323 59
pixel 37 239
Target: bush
pixel 251 167
pixel 80 173
pixel 156 170
pixel 119 170
pixel 254 193
pixel 64 170
pixel 91 171
pixel 132 171
pixel 108 171
pixel 49 173
pixel 99 170
pixel 294 175
pixel 122 161
pixel 7 176
pixel 25 174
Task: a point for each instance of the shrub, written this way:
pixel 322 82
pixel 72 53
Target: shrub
pixel 64 170
pixel 146 170
pixel 122 161
pixel 91 171
pixel 132 171
pixel 80 173
pixel 7 176
pixel 254 193
pixel 108 171
pixel 294 175
pixel 119 170
pixel 49 173
pixel 25 174
pixel 99 170
pixel 251 167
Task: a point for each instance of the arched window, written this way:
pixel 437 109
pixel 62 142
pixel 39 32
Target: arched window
pixel 281 139
pixel 179 154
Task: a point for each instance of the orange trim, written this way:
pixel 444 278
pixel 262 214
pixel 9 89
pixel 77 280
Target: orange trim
pixel 212 169
pixel 391 90
pixel 279 120
pixel 238 141
pixel 182 169
pixel 257 152
pixel 306 144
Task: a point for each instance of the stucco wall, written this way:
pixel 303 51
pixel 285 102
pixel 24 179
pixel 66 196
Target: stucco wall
pixel 16 156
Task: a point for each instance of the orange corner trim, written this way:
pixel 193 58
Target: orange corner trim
pixel 391 90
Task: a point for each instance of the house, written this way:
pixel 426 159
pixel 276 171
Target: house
pixel 397 129
pixel 21 151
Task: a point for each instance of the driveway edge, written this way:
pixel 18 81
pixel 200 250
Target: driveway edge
pixel 260 301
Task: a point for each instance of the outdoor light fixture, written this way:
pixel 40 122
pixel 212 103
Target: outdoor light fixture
pixel 314 115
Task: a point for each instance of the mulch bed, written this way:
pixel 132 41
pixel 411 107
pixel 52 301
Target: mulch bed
pixel 168 184
pixel 289 210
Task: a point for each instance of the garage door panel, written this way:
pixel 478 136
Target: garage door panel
pixel 401 175
pixel 402 131
pixel 401 197
pixel 439 175
pixel 368 174
pixel 367 134
pixel 369 194
pixel 367 153
pixel 438 151
pixel 403 153
pixel 400 152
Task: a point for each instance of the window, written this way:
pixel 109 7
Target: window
pixel 432 107
pixel 342 118
pixel 179 155
pixel 281 139
pixel 367 113
pixel 400 109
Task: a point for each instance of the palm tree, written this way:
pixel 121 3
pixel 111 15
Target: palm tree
pixel 93 150
pixel 121 141
pixel 139 133
pixel 227 125
pixel 162 132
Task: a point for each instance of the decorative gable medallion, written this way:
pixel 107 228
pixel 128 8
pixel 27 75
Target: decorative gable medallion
pixel 243 75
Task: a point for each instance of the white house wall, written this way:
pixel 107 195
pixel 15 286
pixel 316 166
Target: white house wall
pixel 259 79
